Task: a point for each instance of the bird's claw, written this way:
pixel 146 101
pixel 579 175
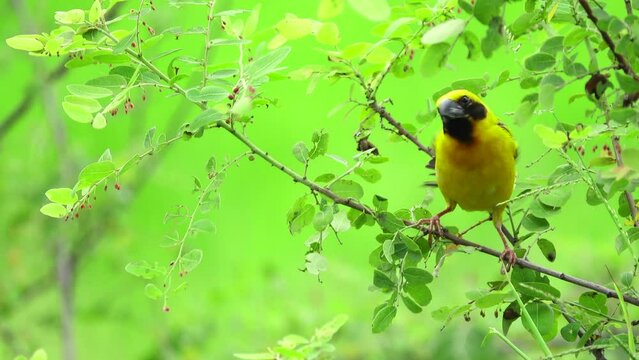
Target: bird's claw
pixel 509 258
pixel 434 227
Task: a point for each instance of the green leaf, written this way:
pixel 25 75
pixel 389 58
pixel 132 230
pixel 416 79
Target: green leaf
pixel 382 280
pixel 370 175
pixel 411 305
pixel 538 290
pixel 99 121
pixel 202 225
pixel 400 23
pixel 475 85
pixel 94 173
pixel 493 39
pixel 570 332
pixel 115 82
pixel 443 31
pixel 39 354
pixel 64 196
pixel 383 318
pixel 548 249
pixel 300 151
pixel 71 17
pixel 89 104
pixel 534 224
pixel 191 260
pixel 320 144
pixel 328 9
pixel 546 96
pixel 575 37
pixel 142 269
pixel 347 189
pixel 25 42
pixel 539 61
pixel 490 300
pixel 631 158
pixel 328 34
pixel 553 139
pixel 415 275
pixel 323 218
pixel 556 197
pixel 316 263
pixel 374 10
pixel 206 118
pixel 627 84
pixel 300 215
pixel 420 293
pixel 95 13
pixel 324 178
pixel 267 63
pixel 434 59
pixel 486 10
pixel 552 45
pixel 77 112
pixel 207 94
pixel 152 291
pixel 524 112
pixel 380 203
pixel 543 317
pixel 389 222
pixel 594 300
pixel 54 210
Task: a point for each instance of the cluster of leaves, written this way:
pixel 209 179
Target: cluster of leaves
pixel 37 355
pixel 293 346
pixel 569 36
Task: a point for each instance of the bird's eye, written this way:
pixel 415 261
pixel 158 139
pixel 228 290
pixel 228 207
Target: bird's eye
pixel 464 101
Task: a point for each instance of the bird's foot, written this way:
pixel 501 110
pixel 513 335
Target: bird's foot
pixel 434 227
pixel 509 258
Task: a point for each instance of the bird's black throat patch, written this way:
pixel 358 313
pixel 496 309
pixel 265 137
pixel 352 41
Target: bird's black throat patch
pixel 476 111
pixel 460 129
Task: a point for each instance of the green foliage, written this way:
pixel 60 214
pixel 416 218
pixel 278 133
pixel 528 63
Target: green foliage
pixel 567 47
pixel 295 346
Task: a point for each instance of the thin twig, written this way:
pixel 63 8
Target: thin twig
pixel 632 205
pixel 402 131
pixel 623 63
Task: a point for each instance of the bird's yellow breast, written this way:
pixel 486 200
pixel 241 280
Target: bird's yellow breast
pixel 480 174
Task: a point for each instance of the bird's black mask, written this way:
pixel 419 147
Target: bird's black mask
pixel 457 117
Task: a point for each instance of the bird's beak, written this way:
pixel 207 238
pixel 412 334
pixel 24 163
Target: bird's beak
pixel 449 109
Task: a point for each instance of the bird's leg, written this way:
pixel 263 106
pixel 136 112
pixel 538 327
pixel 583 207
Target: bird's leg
pixel 508 256
pixel 434 225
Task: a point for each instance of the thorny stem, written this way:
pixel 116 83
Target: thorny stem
pixel 356 205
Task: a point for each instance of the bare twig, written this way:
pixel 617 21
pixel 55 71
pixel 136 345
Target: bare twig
pixel 623 63
pixel 402 131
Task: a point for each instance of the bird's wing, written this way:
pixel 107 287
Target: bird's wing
pixel 503 126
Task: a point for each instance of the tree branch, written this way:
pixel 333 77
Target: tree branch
pixel 623 63
pixel 387 116
pixel 354 204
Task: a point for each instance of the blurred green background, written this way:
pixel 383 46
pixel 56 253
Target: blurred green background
pixel 248 292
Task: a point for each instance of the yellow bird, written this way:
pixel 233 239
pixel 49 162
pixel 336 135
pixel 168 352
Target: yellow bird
pixel 475 161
